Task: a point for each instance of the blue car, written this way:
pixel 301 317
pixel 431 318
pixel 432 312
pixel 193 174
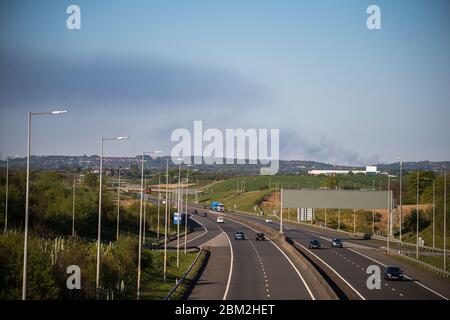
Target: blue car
pixel 239 235
pixel 393 273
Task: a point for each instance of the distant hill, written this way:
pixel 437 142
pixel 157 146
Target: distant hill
pixel 292 166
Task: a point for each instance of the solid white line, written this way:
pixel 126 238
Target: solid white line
pixel 416 282
pixel 346 282
pixel 231 266
pixel 206 231
pixel 203 244
pixel 292 264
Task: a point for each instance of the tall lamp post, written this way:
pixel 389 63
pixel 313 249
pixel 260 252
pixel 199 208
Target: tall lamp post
pixel 400 198
pixel 445 220
pixel 179 208
pixel 186 216
pixel 417 217
pixel 27 194
pixel 118 209
pixel 73 205
pixel 99 227
pixel 159 204
pixel 166 219
pixel 339 210
pixel 138 287
pixel 6 195
pixel 373 211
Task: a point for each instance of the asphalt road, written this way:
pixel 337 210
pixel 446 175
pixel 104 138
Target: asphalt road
pixel 352 261
pixel 255 269
pixel 250 269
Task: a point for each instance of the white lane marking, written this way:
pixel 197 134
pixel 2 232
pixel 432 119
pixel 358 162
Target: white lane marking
pixel 260 261
pixel 292 264
pixel 231 266
pixel 203 244
pixel 206 231
pixel 420 284
pixel 342 278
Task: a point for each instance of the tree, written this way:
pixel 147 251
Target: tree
pixel 425 181
pixel 91 181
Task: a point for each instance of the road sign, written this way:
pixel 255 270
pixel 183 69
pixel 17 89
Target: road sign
pixel 176 217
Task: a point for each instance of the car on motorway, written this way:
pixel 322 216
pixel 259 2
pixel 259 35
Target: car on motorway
pixel 268 220
pixel 195 211
pixel 219 219
pixel 337 243
pixel 260 236
pixel 367 236
pixel 204 214
pixel 393 273
pixel 314 244
pixel 239 235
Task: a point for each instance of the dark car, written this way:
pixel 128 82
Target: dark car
pixel 205 214
pixel 315 244
pixel 337 243
pixel 393 273
pixel 195 211
pixel 367 236
pixel 239 235
pixel 260 236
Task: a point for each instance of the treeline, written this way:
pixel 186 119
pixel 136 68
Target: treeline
pixel 51 200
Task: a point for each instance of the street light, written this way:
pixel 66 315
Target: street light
pixel 27 194
pixel 179 208
pixel 417 217
pixel 186 214
pixel 373 211
pixel 140 222
pixel 6 195
pixel 73 206
pixel 99 230
pixel 166 219
pixel 339 210
pixel 400 197
pixel 118 209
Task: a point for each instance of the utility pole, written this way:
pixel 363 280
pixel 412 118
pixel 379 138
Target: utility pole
pixel 388 236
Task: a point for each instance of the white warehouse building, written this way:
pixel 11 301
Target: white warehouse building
pixel 370 170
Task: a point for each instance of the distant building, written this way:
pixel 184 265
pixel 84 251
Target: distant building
pixel 370 170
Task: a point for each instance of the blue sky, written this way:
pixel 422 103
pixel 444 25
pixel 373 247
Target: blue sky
pixel 338 92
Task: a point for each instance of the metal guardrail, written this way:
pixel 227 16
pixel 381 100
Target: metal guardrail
pixel 419 263
pixel 171 292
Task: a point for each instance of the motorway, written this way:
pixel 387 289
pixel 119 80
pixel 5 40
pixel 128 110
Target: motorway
pixel 250 269
pixel 242 269
pixel 351 262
